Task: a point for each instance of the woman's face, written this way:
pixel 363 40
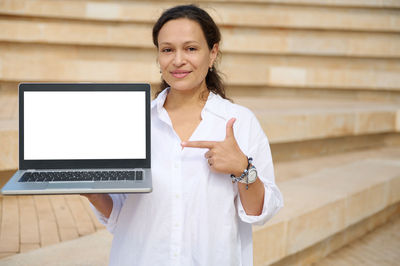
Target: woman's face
pixel 183 54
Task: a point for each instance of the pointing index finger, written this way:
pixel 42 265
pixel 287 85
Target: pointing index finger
pixel 198 144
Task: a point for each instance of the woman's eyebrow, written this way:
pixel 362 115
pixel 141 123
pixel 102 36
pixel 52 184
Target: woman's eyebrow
pixel 185 43
pixel 165 43
pixel 189 42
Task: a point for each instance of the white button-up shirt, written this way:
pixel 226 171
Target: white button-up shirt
pixel 193 216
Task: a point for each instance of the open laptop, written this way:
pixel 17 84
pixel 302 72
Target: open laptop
pixel 83 138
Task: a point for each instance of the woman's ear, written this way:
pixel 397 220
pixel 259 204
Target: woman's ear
pixel 213 54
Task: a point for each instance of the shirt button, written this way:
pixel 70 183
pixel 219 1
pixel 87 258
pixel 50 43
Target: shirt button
pixel 176 165
pixel 177 196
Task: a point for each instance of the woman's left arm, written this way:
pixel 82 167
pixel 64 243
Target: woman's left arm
pixel 252 198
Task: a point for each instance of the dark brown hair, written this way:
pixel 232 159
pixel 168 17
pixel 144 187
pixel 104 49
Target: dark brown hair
pixel 211 32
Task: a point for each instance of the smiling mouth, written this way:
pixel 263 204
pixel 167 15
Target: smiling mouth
pixel 180 74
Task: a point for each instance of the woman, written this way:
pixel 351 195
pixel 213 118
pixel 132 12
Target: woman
pixel 206 191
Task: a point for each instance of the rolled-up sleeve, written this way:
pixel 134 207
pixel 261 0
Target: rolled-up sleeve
pixel 260 151
pixel 273 202
pixel 110 223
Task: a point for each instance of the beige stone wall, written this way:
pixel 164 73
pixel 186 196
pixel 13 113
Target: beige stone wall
pixel 265 43
pixel 323 77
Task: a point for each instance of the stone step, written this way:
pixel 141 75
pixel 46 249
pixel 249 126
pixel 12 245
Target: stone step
pixel 287 120
pixel 379 247
pixel 8 129
pixel 253 14
pixel 356 95
pixel 352 3
pixel 284 120
pixel 45 62
pixel 236 39
pixel 290 151
pixel 326 208
pixel 95 247
pixel 291 169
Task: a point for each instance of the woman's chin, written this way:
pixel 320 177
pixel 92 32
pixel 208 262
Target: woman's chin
pixel 184 86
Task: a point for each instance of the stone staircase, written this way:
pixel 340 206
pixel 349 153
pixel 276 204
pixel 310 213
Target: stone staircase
pixel 380 247
pixel 323 77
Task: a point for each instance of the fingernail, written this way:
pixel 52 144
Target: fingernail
pixel 183 143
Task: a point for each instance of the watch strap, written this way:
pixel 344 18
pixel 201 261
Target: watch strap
pixel 243 178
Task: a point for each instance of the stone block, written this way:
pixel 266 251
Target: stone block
pixel 288 76
pixel 312 227
pixel 365 203
pixel 314 42
pixel 398 121
pixel 330 124
pixel 49 233
pixel 378 44
pixel 335 242
pixel 239 70
pixel 9 233
pixel 269 243
pixel 9 150
pixel 46 8
pixel 282 128
pixel 394 190
pixel 76 32
pixel 29 228
pixel 28 247
pixel 103 10
pixel 88 250
pixel 239 40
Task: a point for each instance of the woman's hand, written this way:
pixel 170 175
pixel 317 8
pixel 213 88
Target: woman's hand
pixel 102 202
pixel 223 156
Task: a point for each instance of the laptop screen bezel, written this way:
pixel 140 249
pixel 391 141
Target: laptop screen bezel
pixel 84 163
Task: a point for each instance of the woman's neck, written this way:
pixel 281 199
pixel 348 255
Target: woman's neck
pixel 177 99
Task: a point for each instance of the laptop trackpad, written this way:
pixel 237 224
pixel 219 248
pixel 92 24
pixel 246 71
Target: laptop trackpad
pixel 69 185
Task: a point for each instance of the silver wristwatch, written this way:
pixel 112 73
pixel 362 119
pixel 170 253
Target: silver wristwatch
pixel 248 176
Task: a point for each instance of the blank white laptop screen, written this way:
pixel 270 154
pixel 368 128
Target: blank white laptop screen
pixel 74 125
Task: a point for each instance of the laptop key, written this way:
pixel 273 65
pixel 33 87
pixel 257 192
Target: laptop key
pixel 130 175
pixel 25 177
pixel 104 178
pixel 139 175
pixel 40 178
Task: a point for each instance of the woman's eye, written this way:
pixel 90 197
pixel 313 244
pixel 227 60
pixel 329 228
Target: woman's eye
pixel 192 49
pixel 166 50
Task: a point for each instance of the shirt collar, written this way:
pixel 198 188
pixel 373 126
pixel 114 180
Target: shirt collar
pixel 158 102
pixel 215 104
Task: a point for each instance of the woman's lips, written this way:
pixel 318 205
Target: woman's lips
pixel 180 74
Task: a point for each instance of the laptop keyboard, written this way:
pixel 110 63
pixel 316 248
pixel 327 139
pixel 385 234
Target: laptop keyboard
pixel 81 176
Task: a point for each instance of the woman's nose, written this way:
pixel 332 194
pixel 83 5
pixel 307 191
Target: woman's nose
pixel 179 58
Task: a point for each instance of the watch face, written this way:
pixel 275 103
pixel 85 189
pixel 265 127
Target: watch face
pixel 252 175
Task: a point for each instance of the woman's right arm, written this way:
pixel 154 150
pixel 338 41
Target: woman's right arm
pixel 102 202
